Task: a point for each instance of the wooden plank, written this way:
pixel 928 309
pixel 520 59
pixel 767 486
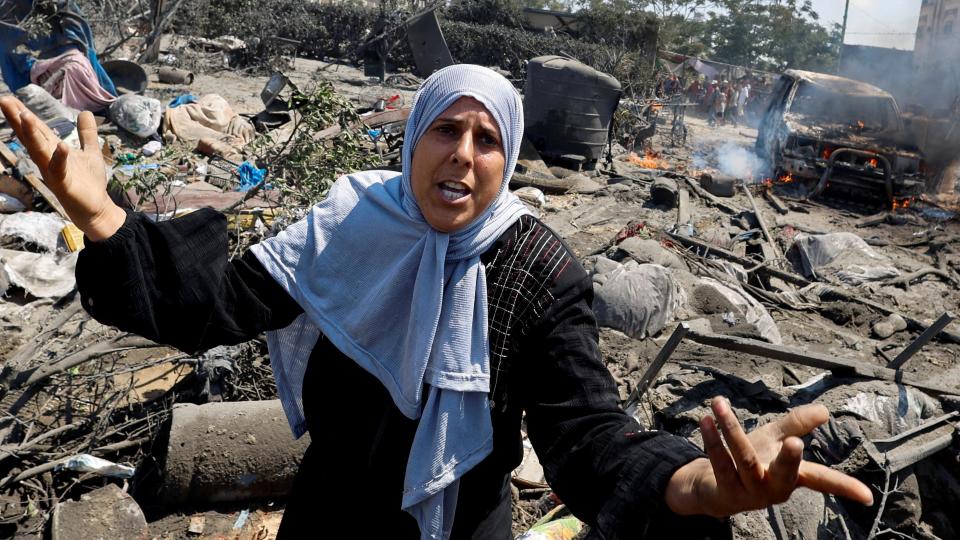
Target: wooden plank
pixel 836 365
pixel 922 340
pixel 775 201
pixel 654 368
pixel 690 242
pixel 683 208
pixel 36 183
pixel 778 256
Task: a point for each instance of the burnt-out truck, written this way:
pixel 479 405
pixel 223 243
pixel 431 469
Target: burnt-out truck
pixel 839 132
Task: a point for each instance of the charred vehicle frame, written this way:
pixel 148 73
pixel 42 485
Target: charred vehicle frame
pixel 841 132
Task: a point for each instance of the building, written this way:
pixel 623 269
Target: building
pixel 938 35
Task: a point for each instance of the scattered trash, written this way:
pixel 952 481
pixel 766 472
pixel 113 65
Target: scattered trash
pixel 250 176
pixel 844 255
pixel 151 148
pixel 241 519
pixel 10 204
pixel 137 114
pixel 183 99
pixel 91 464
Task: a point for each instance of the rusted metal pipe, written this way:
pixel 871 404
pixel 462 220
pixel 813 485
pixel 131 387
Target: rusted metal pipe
pixel 171 75
pixel 230 452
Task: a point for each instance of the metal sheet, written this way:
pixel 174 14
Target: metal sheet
pixel 430 51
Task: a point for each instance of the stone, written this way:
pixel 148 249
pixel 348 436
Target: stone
pixel 104 513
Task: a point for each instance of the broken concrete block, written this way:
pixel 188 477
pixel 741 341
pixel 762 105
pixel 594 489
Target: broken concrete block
pixel 235 451
pixel 664 191
pixel 107 513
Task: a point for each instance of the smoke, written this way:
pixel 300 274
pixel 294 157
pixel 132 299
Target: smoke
pixel 737 161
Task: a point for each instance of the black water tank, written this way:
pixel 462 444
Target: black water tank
pixel 568 107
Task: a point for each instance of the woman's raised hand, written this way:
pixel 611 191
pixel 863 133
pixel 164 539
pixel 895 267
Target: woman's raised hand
pixel 752 471
pixel 76 177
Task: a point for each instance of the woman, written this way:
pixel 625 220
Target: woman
pixel 412 320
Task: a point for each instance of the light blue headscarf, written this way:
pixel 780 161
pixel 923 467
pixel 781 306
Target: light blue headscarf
pixel 406 302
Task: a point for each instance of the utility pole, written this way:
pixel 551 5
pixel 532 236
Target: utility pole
pixel 843 34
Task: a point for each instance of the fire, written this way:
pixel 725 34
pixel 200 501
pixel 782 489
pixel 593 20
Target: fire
pixel 786 178
pixel 873 163
pixel 827 152
pixel 902 204
pixel 650 160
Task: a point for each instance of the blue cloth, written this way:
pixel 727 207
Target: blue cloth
pixel 182 100
pixel 405 301
pixel 250 176
pixel 70 31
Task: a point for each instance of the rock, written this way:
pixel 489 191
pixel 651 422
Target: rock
pixel 580 183
pixel 108 512
pixel 646 250
pixel 889 326
pixel 663 191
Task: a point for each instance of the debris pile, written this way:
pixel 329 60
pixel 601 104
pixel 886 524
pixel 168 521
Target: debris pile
pixel 716 272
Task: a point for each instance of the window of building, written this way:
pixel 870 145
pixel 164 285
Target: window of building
pixel 948 27
pixel 952 12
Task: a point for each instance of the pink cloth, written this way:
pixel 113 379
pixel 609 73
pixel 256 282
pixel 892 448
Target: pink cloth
pixel 71 79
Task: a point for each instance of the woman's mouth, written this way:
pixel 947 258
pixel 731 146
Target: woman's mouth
pixel 453 191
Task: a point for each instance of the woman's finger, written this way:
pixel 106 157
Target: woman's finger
pixel 826 480
pixel 57 169
pixel 724 468
pixel 745 456
pixel 785 468
pixel 37 138
pixel 801 420
pixel 11 108
pixel 87 130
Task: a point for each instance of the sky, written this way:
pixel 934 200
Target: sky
pixel 882 23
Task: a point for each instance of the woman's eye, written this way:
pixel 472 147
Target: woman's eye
pixel 489 140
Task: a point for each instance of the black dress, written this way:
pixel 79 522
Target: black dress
pixel 173 283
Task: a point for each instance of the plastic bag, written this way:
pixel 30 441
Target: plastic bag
pixel 137 114
pixel 88 463
pixel 843 255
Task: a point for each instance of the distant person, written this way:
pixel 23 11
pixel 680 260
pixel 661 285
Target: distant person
pixel 720 99
pixel 742 99
pixel 693 91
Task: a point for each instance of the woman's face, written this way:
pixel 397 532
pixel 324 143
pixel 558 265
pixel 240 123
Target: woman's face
pixel 457 166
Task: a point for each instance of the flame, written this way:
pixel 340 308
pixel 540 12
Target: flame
pixel 902 204
pixel 827 152
pixel 873 163
pixel 786 178
pixel 650 160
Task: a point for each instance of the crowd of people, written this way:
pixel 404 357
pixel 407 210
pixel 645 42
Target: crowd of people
pixel 723 101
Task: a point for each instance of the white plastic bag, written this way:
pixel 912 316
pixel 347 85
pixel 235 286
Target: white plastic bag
pixel 843 255
pixel 137 114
